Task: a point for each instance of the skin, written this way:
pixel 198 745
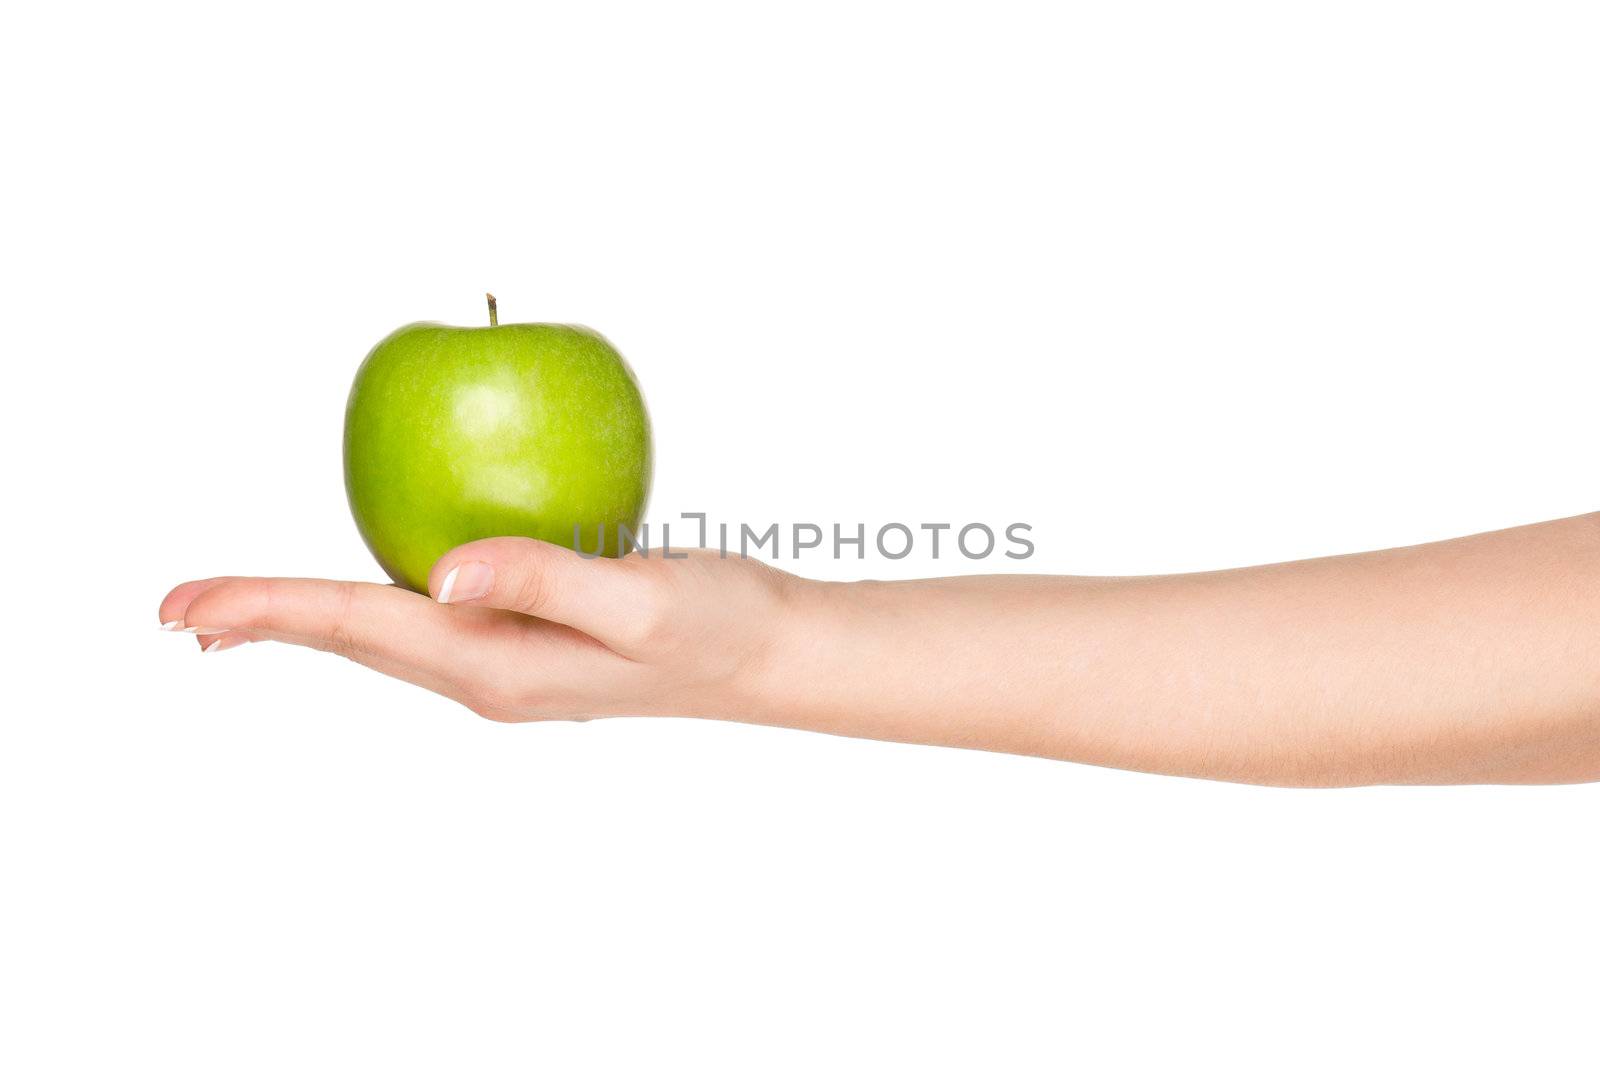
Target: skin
pixel 1471 660
pixel 453 434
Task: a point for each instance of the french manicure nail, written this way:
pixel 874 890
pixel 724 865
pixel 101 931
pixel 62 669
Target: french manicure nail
pixel 173 625
pixel 466 581
pixel 203 631
pixel 212 647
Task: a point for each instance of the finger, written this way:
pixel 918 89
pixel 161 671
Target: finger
pixel 223 642
pixel 176 602
pixel 392 631
pixel 498 663
pixel 379 625
pixel 608 599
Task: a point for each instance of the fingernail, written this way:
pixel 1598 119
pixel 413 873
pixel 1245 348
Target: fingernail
pixel 203 631
pixel 466 581
pixel 213 646
pixel 173 625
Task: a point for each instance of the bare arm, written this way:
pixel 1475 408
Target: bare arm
pixel 1471 660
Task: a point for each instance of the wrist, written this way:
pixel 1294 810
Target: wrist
pixel 796 659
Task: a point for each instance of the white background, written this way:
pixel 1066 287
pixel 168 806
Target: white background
pixel 1182 285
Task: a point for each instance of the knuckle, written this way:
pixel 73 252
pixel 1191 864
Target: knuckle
pixel 533 593
pixel 259 604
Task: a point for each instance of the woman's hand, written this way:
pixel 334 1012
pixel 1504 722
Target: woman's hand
pixel 1471 660
pixel 520 629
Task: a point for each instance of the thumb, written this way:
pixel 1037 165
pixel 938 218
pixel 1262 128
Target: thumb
pixel 605 598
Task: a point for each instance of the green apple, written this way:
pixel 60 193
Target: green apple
pixel 455 434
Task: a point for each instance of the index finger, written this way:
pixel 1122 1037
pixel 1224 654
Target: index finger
pixel 366 622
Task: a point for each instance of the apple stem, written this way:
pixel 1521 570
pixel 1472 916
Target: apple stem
pixel 494 316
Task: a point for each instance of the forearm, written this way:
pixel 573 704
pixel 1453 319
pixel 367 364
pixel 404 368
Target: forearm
pixel 1472 660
